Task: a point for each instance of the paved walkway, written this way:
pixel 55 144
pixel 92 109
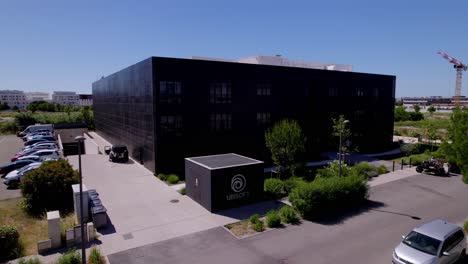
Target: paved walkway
pixel 392 176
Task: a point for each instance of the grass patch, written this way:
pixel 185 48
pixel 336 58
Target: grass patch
pixel 30 229
pixel 242 228
pixel 66 222
pixel 437 123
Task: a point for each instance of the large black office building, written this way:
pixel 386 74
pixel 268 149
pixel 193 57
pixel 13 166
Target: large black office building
pixel 166 109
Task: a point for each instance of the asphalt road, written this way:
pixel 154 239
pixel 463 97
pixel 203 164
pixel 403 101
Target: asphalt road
pixel 9 145
pixel 367 236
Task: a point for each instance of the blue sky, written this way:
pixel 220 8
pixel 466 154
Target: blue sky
pixel 66 45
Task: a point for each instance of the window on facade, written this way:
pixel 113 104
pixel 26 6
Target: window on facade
pixel 376 92
pixel 359 91
pixel 170 92
pixel 221 122
pixel 170 124
pixel 263 89
pixel 333 91
pixel 220 93
pixel 263 118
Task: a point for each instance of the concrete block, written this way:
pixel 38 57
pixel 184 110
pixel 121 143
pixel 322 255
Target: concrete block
pixel 70 237
pixel 77 233
pixel 44 246
pixel 90 229
pixel 53 228
pixel 76 202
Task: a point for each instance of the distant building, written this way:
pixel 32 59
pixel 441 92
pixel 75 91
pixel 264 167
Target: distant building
pixel 13 98
pixel 85 100
pixel 65 98
pixel 433 100
pixel 37 96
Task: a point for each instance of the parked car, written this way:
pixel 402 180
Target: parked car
pixel 36 135
pixel 32 157
pixel 7 168
pixel 118 152
pixel 42 146
pixel 47 143
pixel 47 153
pixel 35 128
pixel 28 143
pixel 32 151
pixel 48 137
pixel 434 242
pixel 13 178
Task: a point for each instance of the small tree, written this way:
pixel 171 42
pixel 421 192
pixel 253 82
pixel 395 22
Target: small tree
pixel 416 108
pixel 457 152
pixel 340 128
pixel 49 187
pixel 431 109
pixel 285 142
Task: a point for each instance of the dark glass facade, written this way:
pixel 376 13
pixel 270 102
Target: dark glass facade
pixel 177 108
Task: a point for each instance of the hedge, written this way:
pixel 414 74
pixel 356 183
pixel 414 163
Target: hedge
pixel 326 195
pixel 273 219
pixel 288 215
pixel 10 247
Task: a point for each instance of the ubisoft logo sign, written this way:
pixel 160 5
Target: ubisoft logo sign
pixel 238 183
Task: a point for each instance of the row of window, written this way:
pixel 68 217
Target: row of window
pixel 171 124
pixel 221 92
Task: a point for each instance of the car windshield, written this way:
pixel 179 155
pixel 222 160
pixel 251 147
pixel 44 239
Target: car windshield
pixel 422 243
pixel 25 168
pixel 119 149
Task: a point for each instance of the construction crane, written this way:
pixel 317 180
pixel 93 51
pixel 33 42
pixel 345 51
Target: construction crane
pixel 460 67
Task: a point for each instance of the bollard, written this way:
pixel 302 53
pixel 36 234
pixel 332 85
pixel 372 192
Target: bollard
pixel 402 164
pixel 410 162
pixel 393 168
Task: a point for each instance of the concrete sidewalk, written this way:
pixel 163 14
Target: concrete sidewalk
pixel 392 176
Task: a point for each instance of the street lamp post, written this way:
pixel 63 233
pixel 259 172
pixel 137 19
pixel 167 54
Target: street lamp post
pixel 80 140
pixel 339 150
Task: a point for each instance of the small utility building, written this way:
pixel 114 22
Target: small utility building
pixel 223 181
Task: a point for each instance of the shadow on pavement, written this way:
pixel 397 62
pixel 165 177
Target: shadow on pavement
pixel 108 229
pixel 245 212
pixel 339 218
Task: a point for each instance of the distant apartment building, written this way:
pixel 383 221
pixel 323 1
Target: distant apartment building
pixel 37 96
pixel 85 100
pixel 65 98
pixel 13 98
pixel 433 100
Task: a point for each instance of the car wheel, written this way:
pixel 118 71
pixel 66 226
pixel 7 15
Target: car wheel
pixel 462 255
pixel 419 169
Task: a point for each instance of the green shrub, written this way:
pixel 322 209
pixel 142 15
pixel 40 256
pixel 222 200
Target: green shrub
pixel 382 169
pixel 8 127
pixel 254 218
pixel 326 195
pixel 363 168
pixel 72 257
pixel 10 247
pixel 291 183
pixel 465 176
pixel 183 191
pixel 162 176
pixel 173 179
pixel 332 170
pixel 30 261
pixel 465 226
pixel 49 187
pixel 258 226
pixel 288 215
pixel 273 187
pixel 95 256
pixel 273 219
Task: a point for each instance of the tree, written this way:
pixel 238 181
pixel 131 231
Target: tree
pixel 340 127
pixel 87 117
pixel 285 142
pixel 431 109
pixel 401 114
pixel 416 108
pixel 457 152
pixel 15 108
pixel 4 106
pixel 48 187
pixel 431 134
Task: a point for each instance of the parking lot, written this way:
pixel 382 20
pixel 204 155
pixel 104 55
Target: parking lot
pixel 9 145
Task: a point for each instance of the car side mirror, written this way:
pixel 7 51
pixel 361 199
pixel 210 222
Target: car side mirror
pixel 445 253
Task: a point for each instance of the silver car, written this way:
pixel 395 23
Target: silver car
pixel 434 242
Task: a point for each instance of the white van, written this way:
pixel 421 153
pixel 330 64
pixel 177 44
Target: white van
pixel 35 128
